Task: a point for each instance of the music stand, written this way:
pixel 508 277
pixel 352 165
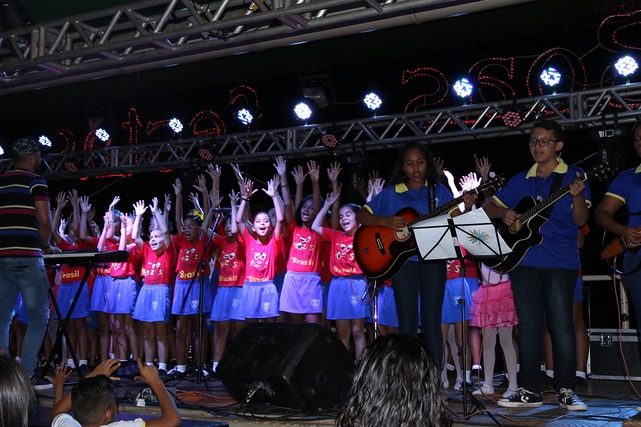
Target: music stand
pixel 438 238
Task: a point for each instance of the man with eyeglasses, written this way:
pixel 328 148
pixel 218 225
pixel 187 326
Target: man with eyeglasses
pixel 626 190
pixel 543 281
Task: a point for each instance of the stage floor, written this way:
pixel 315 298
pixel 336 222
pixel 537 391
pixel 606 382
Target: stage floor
pixel 610 403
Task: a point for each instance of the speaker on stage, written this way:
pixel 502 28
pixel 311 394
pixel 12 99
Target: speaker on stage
pixel 295 365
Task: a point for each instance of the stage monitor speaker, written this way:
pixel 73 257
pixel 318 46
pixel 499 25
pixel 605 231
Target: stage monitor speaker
pixel 294 365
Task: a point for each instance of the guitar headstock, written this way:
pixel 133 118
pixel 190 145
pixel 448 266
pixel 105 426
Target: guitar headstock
pixel 492 185
pixel 603 171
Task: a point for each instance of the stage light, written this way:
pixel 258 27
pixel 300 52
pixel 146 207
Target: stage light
pixel 1 151
pixel 175 125
pixel 302 111
pixel 331 139
pixel 626 66
pixel 372 101
pixel 207 152
pixel 463 88
pixel 244 116
pixel 512 118
pixel 72 165
pixel 45 141
pixel 102 134
pixel 551 77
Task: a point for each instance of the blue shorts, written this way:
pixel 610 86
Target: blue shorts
pixel 227 304
pixel 452 300
pixel 122 296
pixel 259 300
pixel 100 294
pixel 152 304
pixel 345 300
pixel 66 293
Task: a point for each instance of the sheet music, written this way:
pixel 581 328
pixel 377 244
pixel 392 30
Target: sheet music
pixel 474 230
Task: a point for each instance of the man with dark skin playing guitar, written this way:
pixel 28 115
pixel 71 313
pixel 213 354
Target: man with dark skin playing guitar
pixel 543 280
pixel 626 190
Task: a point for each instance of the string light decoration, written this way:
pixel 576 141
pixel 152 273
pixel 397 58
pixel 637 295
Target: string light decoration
pixel 424 100
pixel 574 71
pixel 133 124
pixel 500 81
pixel 206 123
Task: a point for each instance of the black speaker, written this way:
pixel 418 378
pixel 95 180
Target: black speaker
pixel 295 365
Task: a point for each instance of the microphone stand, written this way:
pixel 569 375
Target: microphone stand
pixel 200 275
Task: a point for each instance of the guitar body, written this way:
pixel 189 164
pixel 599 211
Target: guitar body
pixel 617 247
pixel 521 240
pixel 380 251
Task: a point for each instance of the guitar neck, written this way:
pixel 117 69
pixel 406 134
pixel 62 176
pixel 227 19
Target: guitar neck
pixel 550 200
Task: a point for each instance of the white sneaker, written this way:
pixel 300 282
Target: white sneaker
pixel 509 392
pixel 485 390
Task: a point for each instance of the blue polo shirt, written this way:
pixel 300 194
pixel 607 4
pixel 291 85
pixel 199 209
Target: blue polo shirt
pixel 393 198
pixel 559 247
pixel 627 188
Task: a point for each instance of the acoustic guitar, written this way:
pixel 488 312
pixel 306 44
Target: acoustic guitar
pixel 525 233
pixel 617 247
pixel 381 251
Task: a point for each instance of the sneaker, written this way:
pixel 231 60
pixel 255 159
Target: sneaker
pixel 485 390
pixel 162 374
pixel 570 401
pixel 39 384
pixel 174 374
pixel 509 392
pixel 459 386
pixel 522 399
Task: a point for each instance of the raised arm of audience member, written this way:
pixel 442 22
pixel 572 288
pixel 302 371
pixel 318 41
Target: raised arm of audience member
pixel 272 191
pixel 331 199
pixel 178 192
pixel 233 202
pixel 333 172
pixel 374 187
pixel 246 191
pixel 214 173
pixel 112 209
pixel 61 202
pixel 103 234
pixel 85 208
pixel 483 167
pixel 201 187
pixel 299 178
pixel 139 209
pixel 162 224
pixel 313 170
pixel 75 208
pixel 288 208
pixel 62 373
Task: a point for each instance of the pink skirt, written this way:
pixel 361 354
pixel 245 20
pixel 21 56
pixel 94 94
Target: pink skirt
pixel 493 307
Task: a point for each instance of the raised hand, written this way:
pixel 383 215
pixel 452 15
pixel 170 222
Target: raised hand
pixel 178 187
pixel 113 203
pixel 334 171
pixel 362 187
pixel 483 166
pixel 61 200
pixel 469 182
pixel 299 175
pixel 331 198
pixel 140 208
pixel 272 188
pixel 85 206
pixel 213 171
pixel 154 205
pixel 440 166
pixel 201 184
pixel 313 170
pixel 280 165
pixel 62 373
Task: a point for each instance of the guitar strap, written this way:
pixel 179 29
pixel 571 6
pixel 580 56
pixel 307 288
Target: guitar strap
pixel 556 184
pixel 432 191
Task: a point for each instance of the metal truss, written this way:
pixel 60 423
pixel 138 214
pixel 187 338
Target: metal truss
pixel 483 122
pixel 153 33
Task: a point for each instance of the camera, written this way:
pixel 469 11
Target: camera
pixel 127 369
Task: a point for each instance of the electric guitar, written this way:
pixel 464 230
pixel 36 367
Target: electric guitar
pixel 525 233
pixel 617 247
pixel 380 251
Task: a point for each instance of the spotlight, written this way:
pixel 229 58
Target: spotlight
pixel 551 77
pixel 331 139
pixel 72 165
pixel 45 141
pixel 372 101
pixel 1 151
pixel 102 134
pixel 302 111
pixel 626 66
pixel 244 116
pixel 463 88
pixel 175 125
pixel 512 118
pixel 207 152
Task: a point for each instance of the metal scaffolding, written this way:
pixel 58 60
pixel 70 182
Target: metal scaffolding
pixel 585 109
pixel 154 33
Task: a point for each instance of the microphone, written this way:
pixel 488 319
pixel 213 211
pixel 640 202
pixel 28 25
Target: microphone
pixel 221 209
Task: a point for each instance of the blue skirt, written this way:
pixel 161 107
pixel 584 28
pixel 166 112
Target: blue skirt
pixel 187 305
pixel 452 300
pixel 66 293
pixel 259 301
pixel 344 300
pixel 100 294
pixel 122 297
pixel 227 304
pixel 152 304
pixel 302 293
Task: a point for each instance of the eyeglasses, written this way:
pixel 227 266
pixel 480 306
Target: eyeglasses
pixel 188 228
pixel 543 142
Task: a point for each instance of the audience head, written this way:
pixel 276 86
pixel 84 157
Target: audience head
pixel 16 395
pixel 396 383
pixel 347 217
pixel 93 400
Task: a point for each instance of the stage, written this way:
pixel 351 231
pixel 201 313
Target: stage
pixel 611 403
